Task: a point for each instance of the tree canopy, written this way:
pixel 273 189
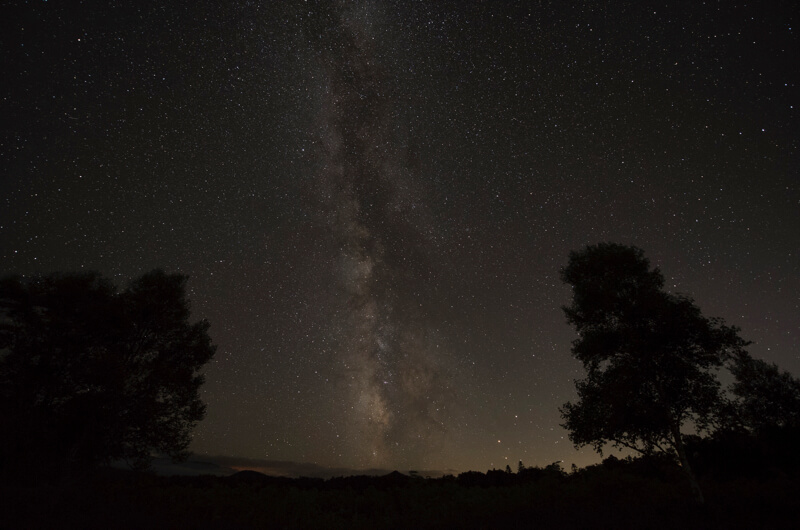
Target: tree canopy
pixel 764 396
pixel 650 355
pixel 89 374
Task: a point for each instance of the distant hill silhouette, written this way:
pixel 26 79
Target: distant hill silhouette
pixel 395 478
pixel 248 475
pixel 256 478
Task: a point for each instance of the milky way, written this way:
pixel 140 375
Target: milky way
pixel 393 364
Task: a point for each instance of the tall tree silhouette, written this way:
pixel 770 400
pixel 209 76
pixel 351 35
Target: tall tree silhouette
pixel 650 356
pixel 89 374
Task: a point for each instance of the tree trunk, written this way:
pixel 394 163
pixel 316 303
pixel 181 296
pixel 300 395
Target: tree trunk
pixel 697 493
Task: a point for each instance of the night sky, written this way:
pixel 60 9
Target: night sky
pixel 373 198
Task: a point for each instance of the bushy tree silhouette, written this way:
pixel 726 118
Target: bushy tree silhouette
pixel 764 396
pixel 89 374
pixel 650 356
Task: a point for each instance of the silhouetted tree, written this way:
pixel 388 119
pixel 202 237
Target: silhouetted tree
pixel 649 356
pixel 90 375
pixel 764 396
pixel 555 469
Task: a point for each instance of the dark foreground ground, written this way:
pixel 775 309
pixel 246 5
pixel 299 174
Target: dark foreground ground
pixel 613 497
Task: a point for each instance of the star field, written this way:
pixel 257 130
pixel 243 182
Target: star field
pixel 373 198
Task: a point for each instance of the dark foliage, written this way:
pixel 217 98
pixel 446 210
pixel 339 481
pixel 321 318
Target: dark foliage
pixel 650 355
pixel 765 398
pixel 89 374
pixel 728 454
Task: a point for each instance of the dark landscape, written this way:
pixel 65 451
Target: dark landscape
pixel 742 493
pixel 399 264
